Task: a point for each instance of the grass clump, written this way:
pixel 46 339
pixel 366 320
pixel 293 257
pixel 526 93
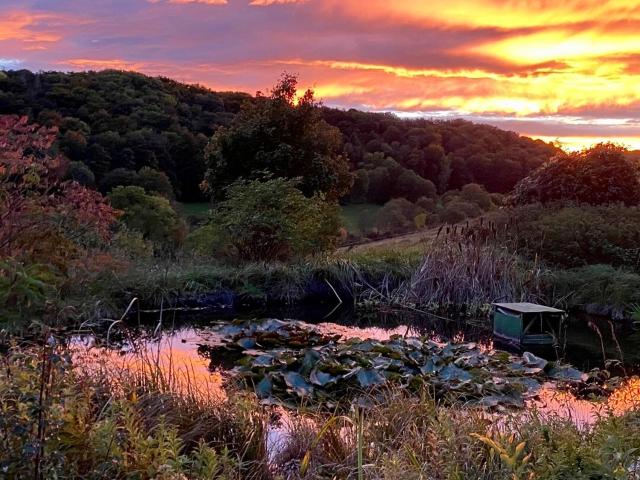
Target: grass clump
pixel 411 436
pixel 60 422
pixel 465 269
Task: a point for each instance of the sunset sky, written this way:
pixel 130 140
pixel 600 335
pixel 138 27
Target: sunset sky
pixel 566 69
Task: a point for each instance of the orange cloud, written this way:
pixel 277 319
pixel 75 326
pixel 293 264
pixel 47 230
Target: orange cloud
pixel 205 2
pixel 551 62
pixel 266 3
pixel 20 26
pixel 109 64
pixel 506 14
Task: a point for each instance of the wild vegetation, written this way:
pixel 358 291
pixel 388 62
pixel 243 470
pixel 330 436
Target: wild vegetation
pixel 89 223
pixel 61 421
pixel 123 120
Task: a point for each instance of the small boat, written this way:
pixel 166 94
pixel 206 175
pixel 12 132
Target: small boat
pixel 527 324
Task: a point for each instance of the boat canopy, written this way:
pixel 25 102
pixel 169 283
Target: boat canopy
pixel 525 307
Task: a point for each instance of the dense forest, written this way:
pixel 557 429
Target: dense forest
pixel 113 124
pixel 115 120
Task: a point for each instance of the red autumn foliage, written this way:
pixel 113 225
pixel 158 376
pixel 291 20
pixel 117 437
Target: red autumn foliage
pixel 44 218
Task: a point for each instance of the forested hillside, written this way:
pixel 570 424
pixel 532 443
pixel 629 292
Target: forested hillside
pixel 116 123
pixel 123 120
pixel 449 153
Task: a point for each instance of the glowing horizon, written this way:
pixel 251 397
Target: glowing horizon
pixel 566 70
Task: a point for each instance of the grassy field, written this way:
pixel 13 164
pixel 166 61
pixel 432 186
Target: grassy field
pixel 360 218
pixel 194 209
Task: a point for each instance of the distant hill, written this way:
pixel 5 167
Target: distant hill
pixel 450 153
pixel 114 119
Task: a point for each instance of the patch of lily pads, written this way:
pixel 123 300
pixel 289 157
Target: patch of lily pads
pixel 290 362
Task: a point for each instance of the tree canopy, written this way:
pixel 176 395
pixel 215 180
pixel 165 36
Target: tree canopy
pixel 599 175
pixel 284 136
pixel 123 120
pixel 113 119
pixel 449 153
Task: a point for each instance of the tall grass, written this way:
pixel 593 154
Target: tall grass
pixel 402 435
pixel 466 269
pixel 60 421
pixel 155 281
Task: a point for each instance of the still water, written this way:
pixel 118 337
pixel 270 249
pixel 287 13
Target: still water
pixel 181 345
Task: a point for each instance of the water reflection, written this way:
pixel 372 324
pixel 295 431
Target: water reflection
pixel 582 412
pixel 173 360
pixel 188 362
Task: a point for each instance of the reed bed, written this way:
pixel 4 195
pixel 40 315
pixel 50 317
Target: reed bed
pixel 464 269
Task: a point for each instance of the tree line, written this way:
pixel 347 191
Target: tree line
pixel 113 124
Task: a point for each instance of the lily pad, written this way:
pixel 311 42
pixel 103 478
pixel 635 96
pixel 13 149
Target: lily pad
pixel 320 378
pixel 567 373
pixel 452 373
pixel 369 378
pixel 246 343
pixel 266 360
pixel 531 361
pixel 316 367
pixel 264 387
pixel 298 384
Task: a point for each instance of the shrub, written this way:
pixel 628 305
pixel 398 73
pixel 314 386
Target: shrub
pixel 272 220
pixel 497 199
pixel 457 210
pixel 208 240
pixel 152 181
pixel 598 284
pixel 474 193
pixel 25 291
pixel 151 215
pixel 131 244
pixel 429 205
pixel 52 230
pixel 578 235
pixel 397 216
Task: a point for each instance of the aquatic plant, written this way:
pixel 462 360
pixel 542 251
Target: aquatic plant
pixel 291 363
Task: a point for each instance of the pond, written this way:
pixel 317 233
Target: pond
pixel 188 345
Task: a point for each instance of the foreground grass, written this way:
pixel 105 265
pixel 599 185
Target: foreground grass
pixel 60 422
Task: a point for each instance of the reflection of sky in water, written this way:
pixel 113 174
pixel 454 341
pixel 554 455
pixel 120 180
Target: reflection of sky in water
pixel 584 412
pixel 187 367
